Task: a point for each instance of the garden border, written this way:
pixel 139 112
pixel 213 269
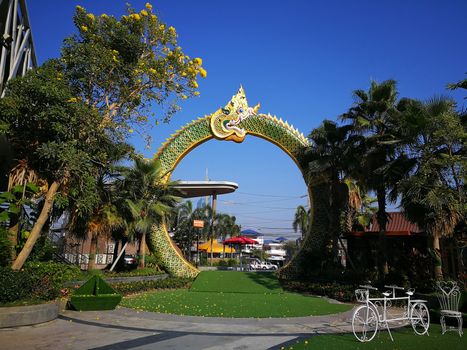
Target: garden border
pixel 15 316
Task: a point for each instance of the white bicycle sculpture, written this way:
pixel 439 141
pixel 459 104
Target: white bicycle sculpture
pixel 373 314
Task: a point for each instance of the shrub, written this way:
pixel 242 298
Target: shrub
pixel 48 278
pixel 154 261
pixel 141 286
pixel 14 285
pixel 221 263
pixel 6 247
pixel 147 271
pixel 341 292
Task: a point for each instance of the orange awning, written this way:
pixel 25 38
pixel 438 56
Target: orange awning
pixel 216 247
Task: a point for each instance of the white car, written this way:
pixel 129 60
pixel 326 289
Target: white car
pixel 268 266
pixel 257 265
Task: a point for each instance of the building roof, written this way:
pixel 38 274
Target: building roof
pixel 190 189
pixel 249 232
pixel 398 225
pixel 396 222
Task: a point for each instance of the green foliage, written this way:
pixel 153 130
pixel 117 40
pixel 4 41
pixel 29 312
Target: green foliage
pixel 14 285
pixel 147 271
pixel 44 250
pixel 56 274
pixel 68 143
pixel 6 247
pixel 333 290
pixel 260 254
pixel 140 286
pixel 153 262
pixel 123 65
pixel 226 263
pixel 37 280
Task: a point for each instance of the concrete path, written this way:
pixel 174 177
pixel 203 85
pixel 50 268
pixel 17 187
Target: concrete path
pixel 130 329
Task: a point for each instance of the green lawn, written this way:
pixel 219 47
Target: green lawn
pixel 234 294
pixel 404 339
pixel 236 282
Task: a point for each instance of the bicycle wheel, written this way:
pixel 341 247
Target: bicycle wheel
pixel 365 323
pixel 420 318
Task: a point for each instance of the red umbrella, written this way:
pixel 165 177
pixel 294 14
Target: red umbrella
pixel 240 240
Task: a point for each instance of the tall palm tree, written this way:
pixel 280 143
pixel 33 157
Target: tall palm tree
pixel 148 197
pixel 330 156
pixel 104 220
pixel 360 208
pixel 226 226
pixel 433 195
pixel 182 223
pixel 301 220
pixel 373 116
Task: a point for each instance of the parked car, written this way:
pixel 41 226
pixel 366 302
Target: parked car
pixel 259 265
pixel 268 266
pixel 130 261
pixel 255 265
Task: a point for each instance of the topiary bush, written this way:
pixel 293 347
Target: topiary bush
pixel 95 294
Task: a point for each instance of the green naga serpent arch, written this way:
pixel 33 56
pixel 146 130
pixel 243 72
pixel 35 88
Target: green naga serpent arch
pixel 231 123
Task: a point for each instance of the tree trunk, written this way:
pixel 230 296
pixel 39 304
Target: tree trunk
pixel 142 251
pixel 13 238
pixel 36 230
pixel 438 270
pixel 382 222
pixel 92 252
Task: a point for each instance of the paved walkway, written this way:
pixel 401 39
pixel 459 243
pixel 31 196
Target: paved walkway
pixel 130 329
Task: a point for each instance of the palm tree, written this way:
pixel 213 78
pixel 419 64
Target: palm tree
pixel 373 117
pixel 182 223
pixel 301 220
pixel 225 226
pixel 433 195
pixel 148 199
pixel 360 208
pixel 329 157
pixel 104 221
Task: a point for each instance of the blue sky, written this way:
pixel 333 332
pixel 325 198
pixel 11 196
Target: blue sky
pixel 301 60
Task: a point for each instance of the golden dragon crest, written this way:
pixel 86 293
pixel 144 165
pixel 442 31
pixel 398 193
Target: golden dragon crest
pixel 225 121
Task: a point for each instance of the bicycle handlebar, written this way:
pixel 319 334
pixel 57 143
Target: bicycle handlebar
pixel 394 287
pixel 368 287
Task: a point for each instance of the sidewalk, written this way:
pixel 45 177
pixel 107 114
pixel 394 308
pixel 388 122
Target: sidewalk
pixel 130 329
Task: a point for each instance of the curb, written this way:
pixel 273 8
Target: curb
pixel 28 315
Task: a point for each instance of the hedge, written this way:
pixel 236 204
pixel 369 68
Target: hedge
pixel 37 280
pixel 141 286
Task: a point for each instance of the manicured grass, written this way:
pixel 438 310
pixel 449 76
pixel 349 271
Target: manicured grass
pixel 404 338
pixel 211 304
pixel 233 294
pixel 236 282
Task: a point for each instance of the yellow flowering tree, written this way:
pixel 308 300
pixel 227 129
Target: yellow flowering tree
pixel 122 66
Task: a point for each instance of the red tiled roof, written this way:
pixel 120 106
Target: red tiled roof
pixel 397 222
pixel 397 225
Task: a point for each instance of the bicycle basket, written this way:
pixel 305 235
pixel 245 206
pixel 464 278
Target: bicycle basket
pixel 361 295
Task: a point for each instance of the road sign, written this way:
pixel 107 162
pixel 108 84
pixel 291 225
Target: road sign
pixel 198 223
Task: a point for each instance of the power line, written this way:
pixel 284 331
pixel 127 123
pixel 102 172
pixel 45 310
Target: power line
pixel 227 202
pixel 269 195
